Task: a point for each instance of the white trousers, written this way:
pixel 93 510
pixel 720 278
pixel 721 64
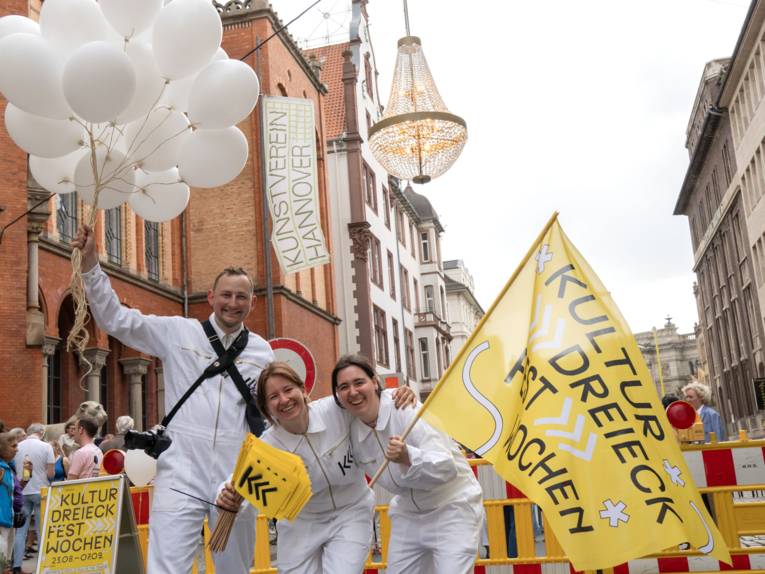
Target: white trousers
pixel 444 540
pixel 192 465
pixel 331 543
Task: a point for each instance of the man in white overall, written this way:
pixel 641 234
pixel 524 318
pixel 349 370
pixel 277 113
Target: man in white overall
pixel 209 427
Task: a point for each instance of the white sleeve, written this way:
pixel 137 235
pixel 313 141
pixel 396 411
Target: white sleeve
pixel 146 333
pixel 430 455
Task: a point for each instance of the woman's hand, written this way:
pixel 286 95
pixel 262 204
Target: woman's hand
pixel 404 397
pixel 397 451
pixel 229 499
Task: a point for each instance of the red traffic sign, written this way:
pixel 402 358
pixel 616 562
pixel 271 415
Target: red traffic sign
pixel 297 356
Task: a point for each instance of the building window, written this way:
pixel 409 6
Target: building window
pixel 396 346
pixel 726 164
pixel 425 246
pixel 411 369
pixel 386 206
pixel 400 233
pixel 412 243
pixel 443 304
pixel 368 75
pixel 381 336
pixel 375 262
pixel 429 296
pixel 391 276
pixel 369 122
pixel 425 358
pixel 113 234
pixel 370 193
pixel 404 274
pixel 66 216
pixel 151 237
pixel 54 385
pixel 416 295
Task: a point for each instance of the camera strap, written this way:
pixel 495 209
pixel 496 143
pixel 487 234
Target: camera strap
pixel 222 363
pixel 252 413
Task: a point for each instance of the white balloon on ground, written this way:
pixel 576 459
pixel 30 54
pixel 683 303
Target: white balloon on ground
pixel 15 24
pixel 224 93
pixel 68 24
pixel 149 85
pixel 30 76
pixel 116 176
pixel 56 174
pixel 41 136
pixel 140 467
pixel 130 17
pixel 154 143
pixel 186 35
pixel 98 81
pixel 211 158
pixel 160 196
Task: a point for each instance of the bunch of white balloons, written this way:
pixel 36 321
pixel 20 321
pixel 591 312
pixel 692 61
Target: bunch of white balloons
pixel 126 100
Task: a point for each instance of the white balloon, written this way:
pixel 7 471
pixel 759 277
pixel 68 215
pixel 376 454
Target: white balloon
pixel 154 143
pixel 161 196
pixel 211 158
pixel 220 54
pixel 30 76
pixel 224 93
pixel 186 35
pixel 42 136
pixel 98 81
pixel 132 16
pixel 117 179
pixel 140 467
pixel 15 24
pixel 68 24
pixel 149 85
pixel 56 174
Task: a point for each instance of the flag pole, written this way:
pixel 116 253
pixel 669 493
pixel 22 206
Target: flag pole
pixel 467 344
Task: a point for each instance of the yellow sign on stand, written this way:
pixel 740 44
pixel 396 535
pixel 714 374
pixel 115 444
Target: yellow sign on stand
pixel 86 522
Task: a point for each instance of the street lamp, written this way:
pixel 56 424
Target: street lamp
pixel 417 138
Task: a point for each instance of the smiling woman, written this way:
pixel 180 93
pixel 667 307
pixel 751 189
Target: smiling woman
pixel 436 512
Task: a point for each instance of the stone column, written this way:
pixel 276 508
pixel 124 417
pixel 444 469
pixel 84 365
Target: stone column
pixel 135 368
pixel 97 358
pixel 35 222
pixel 48 349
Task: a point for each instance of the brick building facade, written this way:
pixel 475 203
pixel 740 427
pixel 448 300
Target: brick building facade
pixel 157 268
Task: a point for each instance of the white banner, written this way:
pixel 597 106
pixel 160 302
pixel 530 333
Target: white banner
pixel 291 183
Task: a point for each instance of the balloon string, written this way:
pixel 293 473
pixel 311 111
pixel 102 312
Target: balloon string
pixel 79 336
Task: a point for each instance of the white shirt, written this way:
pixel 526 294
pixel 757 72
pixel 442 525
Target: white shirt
pixel 336 481
pixel 41 455
pixel 438 473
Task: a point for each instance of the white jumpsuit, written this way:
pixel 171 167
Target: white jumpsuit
pixel 207 431
pixel 437 511
pixel 333 532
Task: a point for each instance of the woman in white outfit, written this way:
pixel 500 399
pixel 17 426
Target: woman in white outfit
pixel 333 532
pixel 437 511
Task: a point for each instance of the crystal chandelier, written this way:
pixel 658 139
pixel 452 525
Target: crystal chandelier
pixel 417 138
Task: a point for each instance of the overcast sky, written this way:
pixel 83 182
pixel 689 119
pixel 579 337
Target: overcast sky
pixel 575 106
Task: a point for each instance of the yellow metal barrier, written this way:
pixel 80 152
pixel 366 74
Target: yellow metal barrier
pixel 734 519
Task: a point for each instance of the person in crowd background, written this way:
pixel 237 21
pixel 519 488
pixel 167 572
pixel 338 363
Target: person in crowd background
pixel 123 424
pixel 86 461
pixel 32 450
pixel 699 396
pixel 8 448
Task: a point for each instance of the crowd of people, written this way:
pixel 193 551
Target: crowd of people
pixel 221 382
pixel 28 463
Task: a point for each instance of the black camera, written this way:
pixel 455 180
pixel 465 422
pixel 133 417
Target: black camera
pixel 153 442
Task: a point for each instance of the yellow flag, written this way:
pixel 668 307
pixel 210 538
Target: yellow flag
pixel 274 481
pixel 553 391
